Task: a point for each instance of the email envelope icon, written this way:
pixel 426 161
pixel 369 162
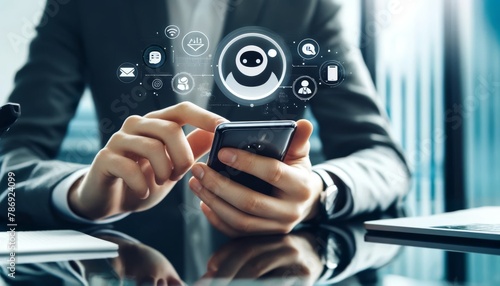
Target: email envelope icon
pixel 127 72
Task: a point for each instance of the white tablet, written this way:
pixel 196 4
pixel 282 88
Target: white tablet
pixel 53 245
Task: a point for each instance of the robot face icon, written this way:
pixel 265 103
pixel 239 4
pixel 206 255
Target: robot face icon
pixel 251 60
pixel 250 66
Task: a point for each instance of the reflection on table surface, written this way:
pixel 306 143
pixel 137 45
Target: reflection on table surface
pixel 333 254
pixel 308 255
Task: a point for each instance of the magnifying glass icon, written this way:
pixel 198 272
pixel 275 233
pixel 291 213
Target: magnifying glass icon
pixel 309 49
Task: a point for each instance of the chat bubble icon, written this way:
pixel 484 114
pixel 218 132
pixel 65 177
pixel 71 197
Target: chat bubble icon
pixel 154 57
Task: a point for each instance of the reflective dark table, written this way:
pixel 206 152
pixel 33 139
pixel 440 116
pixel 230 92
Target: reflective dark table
pixel 162 253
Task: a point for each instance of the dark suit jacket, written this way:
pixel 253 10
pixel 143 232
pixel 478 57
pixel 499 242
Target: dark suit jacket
pixel 81 43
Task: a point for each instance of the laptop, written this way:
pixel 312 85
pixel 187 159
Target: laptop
pixel 454 244
pixel 477 223
pixel 51 246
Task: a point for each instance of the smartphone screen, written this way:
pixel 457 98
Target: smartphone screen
pixel 265 138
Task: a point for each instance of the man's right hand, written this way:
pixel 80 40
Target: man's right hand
pixel 142 162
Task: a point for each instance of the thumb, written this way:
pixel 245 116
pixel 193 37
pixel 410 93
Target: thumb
pixel 299 147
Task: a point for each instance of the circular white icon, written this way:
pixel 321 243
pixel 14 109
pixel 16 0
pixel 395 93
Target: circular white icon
pixel 195 43
pixel 305 87
pixel 251 60
pixel 250 66
pixel 182 83
pixel 154 56
pixel 127 72
pixel 157 83
pixel 172 32
pixel 308 49
pixel 332 73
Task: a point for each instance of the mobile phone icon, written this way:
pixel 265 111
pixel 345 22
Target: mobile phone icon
pixel 332 73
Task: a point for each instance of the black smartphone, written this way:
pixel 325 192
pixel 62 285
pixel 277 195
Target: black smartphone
pixel 9 113
pixel 265 138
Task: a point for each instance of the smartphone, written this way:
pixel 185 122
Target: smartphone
pixel 265 138
pixel 9 113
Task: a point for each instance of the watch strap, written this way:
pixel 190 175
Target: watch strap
pixel 329 194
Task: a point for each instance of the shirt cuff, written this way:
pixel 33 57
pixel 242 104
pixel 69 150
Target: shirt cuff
pixel 60 201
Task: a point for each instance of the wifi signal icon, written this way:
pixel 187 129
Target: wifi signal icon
pixel 172 32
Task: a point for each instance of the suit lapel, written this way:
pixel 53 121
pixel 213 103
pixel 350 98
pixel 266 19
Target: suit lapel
pixel 150 16
pixel 242 13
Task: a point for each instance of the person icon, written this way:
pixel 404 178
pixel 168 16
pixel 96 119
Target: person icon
pixel 305 88
pixel 183 83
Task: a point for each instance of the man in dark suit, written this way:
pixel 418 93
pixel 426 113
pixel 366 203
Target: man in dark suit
pixel 145 152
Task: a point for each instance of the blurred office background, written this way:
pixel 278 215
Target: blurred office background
pixel 436 67
pixel 17 28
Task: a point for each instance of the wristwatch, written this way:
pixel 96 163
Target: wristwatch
pixel 329 194
pixel 330 252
